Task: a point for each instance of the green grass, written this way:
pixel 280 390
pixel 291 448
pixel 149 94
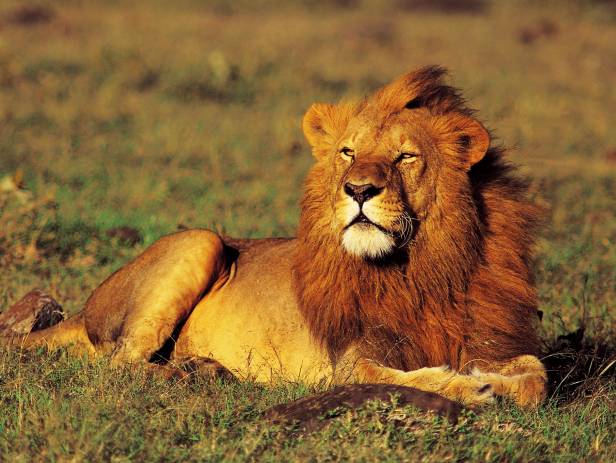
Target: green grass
pixel 154 116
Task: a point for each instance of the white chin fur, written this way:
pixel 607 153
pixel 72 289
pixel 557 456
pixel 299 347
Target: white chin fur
pixel 364 240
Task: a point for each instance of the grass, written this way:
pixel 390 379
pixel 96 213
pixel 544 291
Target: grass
pixel 154 117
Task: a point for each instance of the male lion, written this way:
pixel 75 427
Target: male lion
pixel 410 266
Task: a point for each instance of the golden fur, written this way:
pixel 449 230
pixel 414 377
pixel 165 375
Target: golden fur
pixel 412 254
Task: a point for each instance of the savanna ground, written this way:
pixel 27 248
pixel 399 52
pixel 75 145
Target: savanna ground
pixel 158 116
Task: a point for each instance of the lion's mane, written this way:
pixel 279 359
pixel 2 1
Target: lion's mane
pixel 460 291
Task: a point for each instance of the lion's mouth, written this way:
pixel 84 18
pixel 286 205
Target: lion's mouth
pixel 364 238
pixel 361 218
pixel 364 221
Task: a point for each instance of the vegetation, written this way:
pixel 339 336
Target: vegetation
pixel 124 121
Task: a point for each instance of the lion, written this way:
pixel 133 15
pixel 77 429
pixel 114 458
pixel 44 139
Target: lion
pixel 411 266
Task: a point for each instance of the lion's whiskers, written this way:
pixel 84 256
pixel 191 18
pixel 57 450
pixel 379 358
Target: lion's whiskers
pixel 405 221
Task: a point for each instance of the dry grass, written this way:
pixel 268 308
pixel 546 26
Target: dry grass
pixel 153 117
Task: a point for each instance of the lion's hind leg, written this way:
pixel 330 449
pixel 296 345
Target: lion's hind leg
pixel 522 379
pixel 69 333
pixel 156 293
pixel 197 367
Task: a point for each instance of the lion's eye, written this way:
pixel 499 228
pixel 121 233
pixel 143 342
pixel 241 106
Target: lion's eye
pixel 407 158
pixel 347 154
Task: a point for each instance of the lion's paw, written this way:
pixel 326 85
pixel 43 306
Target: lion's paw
pixel 469 390
pixel 531 390
pixel 527 390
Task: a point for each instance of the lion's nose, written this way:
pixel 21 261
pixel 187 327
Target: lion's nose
pixel 361 193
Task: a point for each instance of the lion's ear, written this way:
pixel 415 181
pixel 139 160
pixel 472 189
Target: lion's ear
pixel 324 123
pixel 470 138
pixel 476 140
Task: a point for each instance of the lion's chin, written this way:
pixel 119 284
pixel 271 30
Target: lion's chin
pixel 367 241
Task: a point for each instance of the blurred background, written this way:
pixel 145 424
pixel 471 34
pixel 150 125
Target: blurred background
pixel 121 121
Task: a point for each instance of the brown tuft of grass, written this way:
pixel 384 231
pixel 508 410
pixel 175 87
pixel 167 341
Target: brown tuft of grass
pixel 30 15
pixel 444 6
pixel 544 29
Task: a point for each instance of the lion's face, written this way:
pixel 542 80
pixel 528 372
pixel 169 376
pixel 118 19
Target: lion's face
pixel 386 170
pixel 381 177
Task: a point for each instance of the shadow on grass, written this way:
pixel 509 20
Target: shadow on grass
pixel 579 366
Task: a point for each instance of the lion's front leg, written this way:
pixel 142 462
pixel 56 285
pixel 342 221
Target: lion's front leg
pixel 522 379
pixel 467 389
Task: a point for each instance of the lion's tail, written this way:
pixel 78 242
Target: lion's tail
pixel 68 332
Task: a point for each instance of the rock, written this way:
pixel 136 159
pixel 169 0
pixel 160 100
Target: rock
pixel 310 413
pixel 35 311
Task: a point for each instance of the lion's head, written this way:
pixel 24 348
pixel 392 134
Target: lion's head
pixel 414 236
pixel 393 160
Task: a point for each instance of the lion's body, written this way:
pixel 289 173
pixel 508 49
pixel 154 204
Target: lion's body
pixel 412 253
pixel 252 324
